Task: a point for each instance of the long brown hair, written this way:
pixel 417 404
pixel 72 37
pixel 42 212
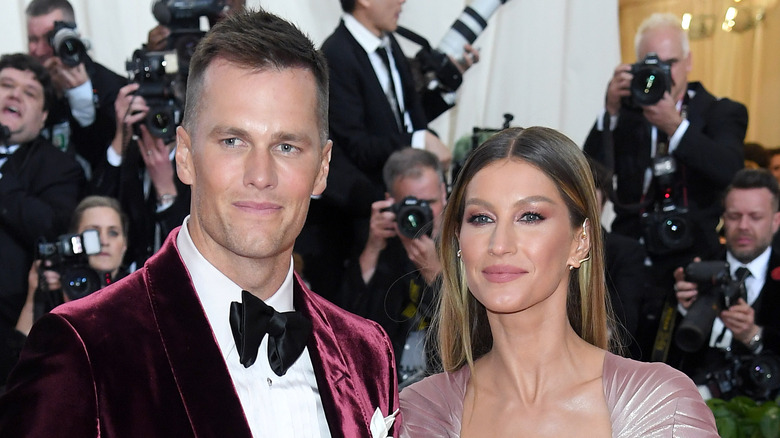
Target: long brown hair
pixel 463 331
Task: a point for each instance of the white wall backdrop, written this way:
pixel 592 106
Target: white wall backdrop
pixel 546 62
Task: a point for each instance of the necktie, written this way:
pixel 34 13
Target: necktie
pixel 288 332
pixel 391 96
pixel 741 275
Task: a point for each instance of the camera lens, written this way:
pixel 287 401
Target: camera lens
pixel 674 231
pixel 411 223
pixel 79 281
pixel 648 85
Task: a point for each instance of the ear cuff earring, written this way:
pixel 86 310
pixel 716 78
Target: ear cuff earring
pixel 459 253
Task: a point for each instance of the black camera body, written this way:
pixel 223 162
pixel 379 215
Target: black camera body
pixel 651 79
pixel 182 17
pixel 69 255
pixel 756 376
pixel 717 291
pixel 413 216
pixel 666 226
pixel 67 44
pixel 157 74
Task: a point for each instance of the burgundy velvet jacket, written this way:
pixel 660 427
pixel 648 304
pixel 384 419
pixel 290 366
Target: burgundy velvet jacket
pixel 139 359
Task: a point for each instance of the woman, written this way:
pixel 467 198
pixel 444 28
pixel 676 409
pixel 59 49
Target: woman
pixel 523 321
pixel 99 213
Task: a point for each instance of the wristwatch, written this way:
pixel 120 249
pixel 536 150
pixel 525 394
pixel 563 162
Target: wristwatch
pixel 755 342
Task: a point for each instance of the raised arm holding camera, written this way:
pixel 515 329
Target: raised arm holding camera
pixel 394 280
pixel 82 117
pixel 672 145
pixel 730 306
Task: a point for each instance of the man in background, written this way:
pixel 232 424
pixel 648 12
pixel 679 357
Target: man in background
pixel 81 119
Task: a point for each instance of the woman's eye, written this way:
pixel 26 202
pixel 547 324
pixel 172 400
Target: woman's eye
pixel 531 217
pixel 479 219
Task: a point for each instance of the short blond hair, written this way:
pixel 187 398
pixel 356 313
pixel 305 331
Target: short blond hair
pixel 660 21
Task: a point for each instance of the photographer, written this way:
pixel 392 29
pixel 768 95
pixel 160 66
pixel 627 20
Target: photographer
pixel 750 326
pixel 700 136
pixel 39 184
pixel 394 280
pixel 140 172
pixel 99 213
pixel 82 118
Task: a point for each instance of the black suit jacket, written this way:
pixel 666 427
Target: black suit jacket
pixel 362 124
pixel 91 141
pixel 39 189
pixel 387 294
pixel 125 183
pixel 767 308
pixel 708 155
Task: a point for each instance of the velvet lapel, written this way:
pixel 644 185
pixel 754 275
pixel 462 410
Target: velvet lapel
pixel 346 406
pixel 204 383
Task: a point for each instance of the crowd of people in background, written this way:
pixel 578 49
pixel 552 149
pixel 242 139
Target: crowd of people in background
pixel 376 228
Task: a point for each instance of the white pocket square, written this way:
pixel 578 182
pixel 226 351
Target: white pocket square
pixel 380 425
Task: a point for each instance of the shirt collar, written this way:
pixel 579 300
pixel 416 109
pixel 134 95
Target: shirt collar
pixel 757 266
pixel 367 40
pixel 9 149
pixel 216 291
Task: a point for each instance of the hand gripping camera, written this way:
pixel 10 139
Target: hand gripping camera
pixel 67 44
pixel 69 255
pixel 413 216
pixel 717 291
pixel 156 72
pixel 651 79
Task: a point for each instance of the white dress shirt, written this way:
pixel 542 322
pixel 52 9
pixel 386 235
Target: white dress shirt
pixel 753 283
pixel 370 43
pixel 287 406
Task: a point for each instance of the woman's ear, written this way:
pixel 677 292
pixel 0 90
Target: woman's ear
pixel 581 245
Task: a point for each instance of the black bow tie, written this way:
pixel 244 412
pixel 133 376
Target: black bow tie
pixel 288 332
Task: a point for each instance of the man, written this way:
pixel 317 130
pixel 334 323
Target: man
pixel 82 117
pixel 703 134
pixel 750 326
pixel 374 111
pixel 139 171
pixel 394 280
pixel 39 185
pixel 169 351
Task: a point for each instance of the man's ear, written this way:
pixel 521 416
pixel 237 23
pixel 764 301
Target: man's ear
pixel 321 180
pixel 184 166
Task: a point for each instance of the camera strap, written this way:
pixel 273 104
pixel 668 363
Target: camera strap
pixel 663 338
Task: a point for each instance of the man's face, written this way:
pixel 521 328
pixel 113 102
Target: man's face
pixel 21 104
pixel 38 29
pixel 427 187
pixel 665 42
pixel 382 15
pixel 750 221
pixel 253 158
pixel 774 166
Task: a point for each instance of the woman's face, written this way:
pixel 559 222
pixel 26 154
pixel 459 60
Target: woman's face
pixel 516 237
pixel 112 240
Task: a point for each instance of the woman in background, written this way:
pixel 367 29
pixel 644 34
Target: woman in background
pixel 523 322
pixel 100 213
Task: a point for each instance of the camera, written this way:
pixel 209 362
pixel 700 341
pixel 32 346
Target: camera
pixel 182 17
pixel 666 226
pixel 69 255
pixel 414 217
pixel 160 86
pixel 651 79
pixel 67 44
pixel 435 65
pixel 717 291
pixel 755 376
